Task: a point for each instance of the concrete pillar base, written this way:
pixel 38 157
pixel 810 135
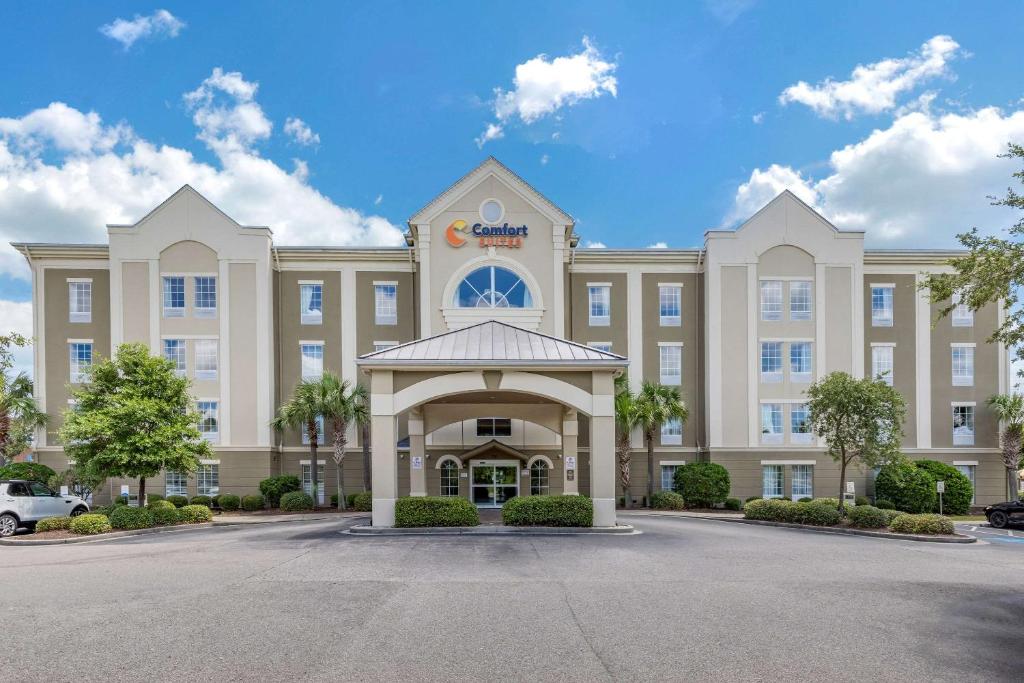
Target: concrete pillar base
pixel 604 512
pixel 383 512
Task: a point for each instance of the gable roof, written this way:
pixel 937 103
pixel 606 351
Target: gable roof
pixel 184 190
pixel 492 343
pixel 492 165
pixel 493 445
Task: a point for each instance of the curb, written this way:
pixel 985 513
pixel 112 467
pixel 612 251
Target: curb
pixel 622 530
pixel 107 536
pixel 333 516
pixel 888 535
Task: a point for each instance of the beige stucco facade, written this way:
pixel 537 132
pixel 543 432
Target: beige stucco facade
pixel 710 341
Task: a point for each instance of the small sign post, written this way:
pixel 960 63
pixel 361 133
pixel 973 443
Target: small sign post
pixel 940 486
pixel 850 487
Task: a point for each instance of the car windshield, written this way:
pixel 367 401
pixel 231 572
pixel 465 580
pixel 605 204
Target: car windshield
pixel 39 489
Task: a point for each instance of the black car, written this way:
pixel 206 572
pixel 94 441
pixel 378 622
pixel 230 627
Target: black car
pixel 1001 515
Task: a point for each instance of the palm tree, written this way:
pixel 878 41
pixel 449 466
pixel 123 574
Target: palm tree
pixel 626 420
pixel 657 404
pixel 346 405
pixel 310 400
pixel 19 414
pixel 1009 408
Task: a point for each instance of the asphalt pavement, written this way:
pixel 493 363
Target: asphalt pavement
pixel 686 599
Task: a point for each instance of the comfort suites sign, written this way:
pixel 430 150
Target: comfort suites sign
pixel 459 232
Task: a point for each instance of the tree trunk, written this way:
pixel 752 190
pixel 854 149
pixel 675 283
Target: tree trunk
pixel 1012 478
pixel 340 442
pixel 314 489
pixel 142 492
pixel 1011 459
pixel 842 482
pixel 624 470
pixel 649 435
pixel 367 481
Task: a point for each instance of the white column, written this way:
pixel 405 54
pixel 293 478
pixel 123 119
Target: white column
pixel 713 352
pixel 753 358
pixel 417 451
pixel 224 349
pixel 155 306
pixel 923 385
pixel 635 336
pixel 857 304
pixel 820 358
pixel 423 247
pixel 570 437
pixel 602 450
pixel 39 345
pixel 384 461
pixel 558 277
pixel 348 337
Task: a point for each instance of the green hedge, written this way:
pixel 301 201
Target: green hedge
pixel 152 498
pixel 815 513
pixel 195 514
pixel 431 511
pixel 229 502
pixel 363 502
pixel 891 514
pixel 733 504
pixel 33 471
pixel 703 484
pixel 178 501
pixel 125 517
pixel 350 500
pixel 253 502
pixel 89 524
pixel 956 500
pixel 295 501
pixel 667 500
pixel 166 516
pixel 53 524
pixel 273 488
pixel 862 500
pixel 909 488
pixel 201 500
pixel 747 500
pixel 831 502
pixel 161 505
pixel 922 524
pixel 867 517
pixel 548 511
pixel 884 504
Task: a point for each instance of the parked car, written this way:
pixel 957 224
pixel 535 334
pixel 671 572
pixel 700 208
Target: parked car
pixel 23 503
pixel 1001 515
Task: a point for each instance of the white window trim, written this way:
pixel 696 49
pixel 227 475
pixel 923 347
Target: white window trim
pixel 175 312
pixel 670 380
pixel 810 297
pixel 964 345
pixel 788 462
pixel 311 282
pixel 595 344
pixel 883 322
pixel 205 375
pixel 761 301
pixel 599 320
pixel 211 437
pixel 79 317
pixel 385 343
pixel 961 380
pixel 311 319
pixel 883 343
pixel 672 439
pixel 378 319
pixel 671 320
pixel 966 463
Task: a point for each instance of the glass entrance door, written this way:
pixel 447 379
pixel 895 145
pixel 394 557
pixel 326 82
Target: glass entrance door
pixel 493 482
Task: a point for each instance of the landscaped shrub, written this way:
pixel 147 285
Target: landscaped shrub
pixel 363 502
pixel 165 516
pixel 334 500
pixel 89 524
pixel 275 487
pixel 253 502
pixel 152 498
pixel 733 504
pixel 747 500
pixel 33 471
pixel 161 505
pixel 120 500
pixel 910 489
pixel 53 523
pixel 861 500
pixel 229 502
pixel 435 511
pixel 667 500
pixel 201 500
pixel 805 499
pixel 703 484
pixel 104 510
pixel 867 517
pixel 884 504
pixel 768 509
pixel 178 501
pixel 295 501
pixel 922 524
pixel 125 517
pixel 350 500
pixel 548 511
pixel 891 514
pixel 956 500
pixel 815 513
pixel 195 514
pixel 831 502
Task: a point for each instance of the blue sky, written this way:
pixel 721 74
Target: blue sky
pixel 649 122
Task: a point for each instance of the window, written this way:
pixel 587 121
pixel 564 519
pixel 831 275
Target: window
pixel 206 296
pixel 80 301
pixel 175 484
pixel 321 436
pixel 881 363
pixel 174 297
pixel 803 481
pixel 600 297
pixel 963 425
pixel 493 287
pixel 449 478
pixel 800 424
pixel 969 472
pixel 81 361
pixel 385 303
pixel 962 316
pixel 494 426
pixel 601 346
pixel 311 304
pixel 669 304
pixel 174 351
pixel 668 477
pixel 539 478
pixel 208 479
pixel 800 300
pixel 772 481
pixel 312 360
pixel 771 423
pixel 800 362
pixel 206 358
pixel 209 421
pixel 671 358
pixel 307 481
pixel 881 305
pixel 672 432
pixel 963 366
pixel 492 211
pixel 771 362
pixel 771 300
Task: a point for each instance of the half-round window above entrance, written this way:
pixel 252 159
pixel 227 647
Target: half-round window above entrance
pixel 493 287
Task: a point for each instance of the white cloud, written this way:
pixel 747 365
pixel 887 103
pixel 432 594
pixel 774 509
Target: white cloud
pixel 917 183
pixel 587 244
pixel 758 118
pixel 300 132
pixel 64 174
pixel 874 88
pixel 544 159
pixel 378 200
pixel 658 245
pixel 17 317
pixel 542 86
pixel 160 24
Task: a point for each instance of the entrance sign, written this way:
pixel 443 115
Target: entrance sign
pixel 417 462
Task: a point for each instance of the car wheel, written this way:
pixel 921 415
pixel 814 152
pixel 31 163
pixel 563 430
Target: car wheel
pixel 999 519
pixel 8 525
pixel 78 511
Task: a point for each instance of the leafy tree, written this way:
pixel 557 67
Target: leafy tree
pixel 32 471
pixel 19 415
pixel 81 481
pixel 657 404
pixel 703 484
pixel 310 400
pixel 860 420
pixel 346 404
pixel 1009 408
pixel 134 418
pixel 626 420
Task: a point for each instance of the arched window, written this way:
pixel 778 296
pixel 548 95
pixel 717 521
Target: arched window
pixel 539 478
pixel 493 287
pixel 449 478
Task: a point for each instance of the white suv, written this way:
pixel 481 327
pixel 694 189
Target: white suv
pixel 23 503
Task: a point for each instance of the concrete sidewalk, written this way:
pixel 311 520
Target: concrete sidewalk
pixel 237 520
